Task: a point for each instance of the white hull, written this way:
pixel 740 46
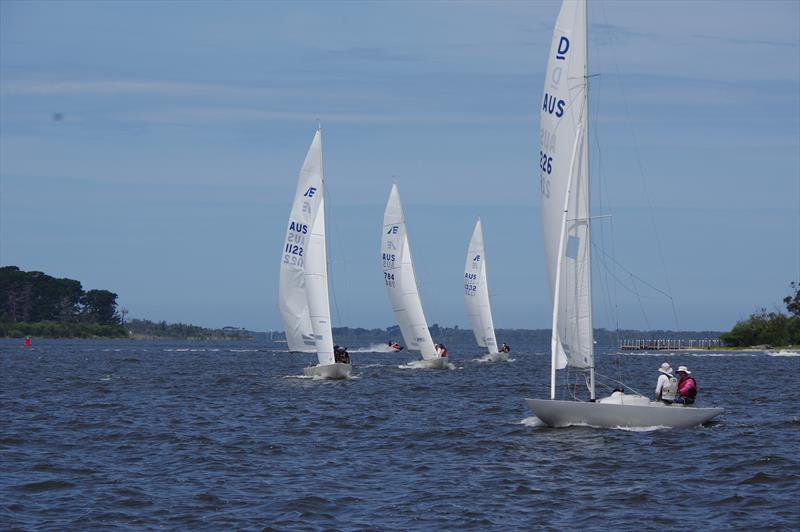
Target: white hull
pixel 494 357
pixel 620 414
pixel 329 371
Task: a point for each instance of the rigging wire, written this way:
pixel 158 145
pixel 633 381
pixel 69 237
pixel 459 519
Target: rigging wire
pixel 641 306
pixel 632 275
pixel 331 282
pixel 641 168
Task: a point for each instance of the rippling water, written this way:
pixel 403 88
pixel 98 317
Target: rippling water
pixel 227 435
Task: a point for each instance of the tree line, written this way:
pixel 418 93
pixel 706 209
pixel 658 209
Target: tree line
pixel 28 298
pixel 769 328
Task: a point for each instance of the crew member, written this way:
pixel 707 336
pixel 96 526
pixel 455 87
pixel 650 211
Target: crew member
pixel 687 386
pixel 504 348
pixel 667 385
pixel 340 354
pixel 441 350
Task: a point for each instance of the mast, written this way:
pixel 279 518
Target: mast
pixel 588 187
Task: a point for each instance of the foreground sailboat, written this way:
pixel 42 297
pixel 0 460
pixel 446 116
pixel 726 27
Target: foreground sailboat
pixel 401 285
pixel 476 297
pixel 564 187
pixel 303 289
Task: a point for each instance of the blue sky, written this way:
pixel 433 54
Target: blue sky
pixel 152 149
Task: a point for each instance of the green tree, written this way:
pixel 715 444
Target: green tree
pixel 100 306
pixel 793 301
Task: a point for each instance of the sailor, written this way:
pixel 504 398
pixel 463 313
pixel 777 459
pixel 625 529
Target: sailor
pixel 667 385
pixel 687 386
pixel 441 350
pixel 338 353
pixel 504 348
pixel 345 356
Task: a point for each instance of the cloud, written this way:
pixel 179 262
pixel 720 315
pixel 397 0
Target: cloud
pixel 226 115
pixel 747 42
pixel 368 54
pixel 157 88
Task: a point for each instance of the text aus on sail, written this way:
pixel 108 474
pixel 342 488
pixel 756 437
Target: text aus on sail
pixel 554 106
pixel 296 236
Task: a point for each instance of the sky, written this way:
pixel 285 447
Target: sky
pixel 152 149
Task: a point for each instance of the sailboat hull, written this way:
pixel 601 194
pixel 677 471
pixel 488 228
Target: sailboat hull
pixel 328 371
pixel 617 415
pixel 494 357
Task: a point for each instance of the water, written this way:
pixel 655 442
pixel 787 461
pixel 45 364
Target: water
pixel 227 435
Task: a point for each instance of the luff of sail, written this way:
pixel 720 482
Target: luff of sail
pixel 476 292
pixel 564 187
pixel 401 281
pixel 292 297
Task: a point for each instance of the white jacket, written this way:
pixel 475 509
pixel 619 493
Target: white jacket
pixel 666 387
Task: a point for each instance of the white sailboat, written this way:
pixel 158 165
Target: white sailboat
pixel 401 285
pixel 564 187
pixel 303 288
pixel 476 297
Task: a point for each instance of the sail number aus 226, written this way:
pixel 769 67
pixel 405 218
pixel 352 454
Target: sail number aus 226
pixel 546 165
pixel 545 162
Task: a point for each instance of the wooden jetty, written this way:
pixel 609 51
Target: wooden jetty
pixel 668 344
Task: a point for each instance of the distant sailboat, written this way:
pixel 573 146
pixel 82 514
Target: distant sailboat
pixel 476 297
pixel 401 285
pixel 564 187
pixel 303 288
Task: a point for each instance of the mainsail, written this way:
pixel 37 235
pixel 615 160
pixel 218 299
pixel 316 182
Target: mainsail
pixel 400 280
pixel 303 288
pixel 476 292
pixel 564 186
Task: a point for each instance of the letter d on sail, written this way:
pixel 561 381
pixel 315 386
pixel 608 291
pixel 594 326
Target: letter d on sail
pixel 563 47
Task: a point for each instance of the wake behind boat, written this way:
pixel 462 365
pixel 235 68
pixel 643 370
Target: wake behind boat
pixel 401 286
pixel 303 289
pixel 564 187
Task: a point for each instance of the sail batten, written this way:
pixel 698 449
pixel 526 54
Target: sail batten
pixel 564 188
pixel 476 292
pixel 401 281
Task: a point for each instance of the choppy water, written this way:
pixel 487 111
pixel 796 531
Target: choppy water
pixel 225 435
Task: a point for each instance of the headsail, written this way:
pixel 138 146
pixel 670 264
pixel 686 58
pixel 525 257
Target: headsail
pixel 303 287
pixel 476 292
pixel 400 280
pixel 564 186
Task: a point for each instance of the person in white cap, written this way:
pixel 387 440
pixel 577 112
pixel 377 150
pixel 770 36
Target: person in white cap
pixel 667 385
pixel 687 386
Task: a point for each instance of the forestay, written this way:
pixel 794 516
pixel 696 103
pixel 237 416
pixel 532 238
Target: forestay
pixel 476 292
pixel 400 280
pixel 564 186
pixel 303 286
